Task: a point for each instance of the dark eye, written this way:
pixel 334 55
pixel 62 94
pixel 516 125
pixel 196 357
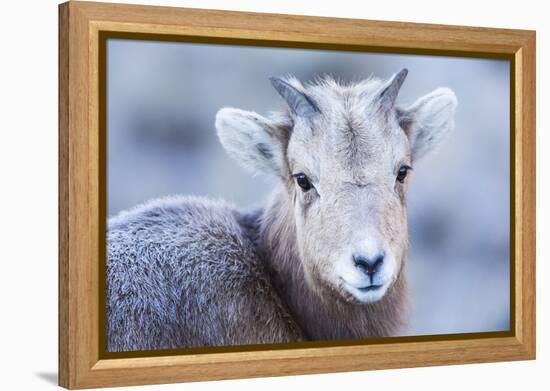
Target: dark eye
pixel 402 173
pixel 303 181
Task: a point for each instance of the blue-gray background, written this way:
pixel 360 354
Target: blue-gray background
pixel 161 102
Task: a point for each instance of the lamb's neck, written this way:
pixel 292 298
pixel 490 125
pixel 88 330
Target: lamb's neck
pixel 319 317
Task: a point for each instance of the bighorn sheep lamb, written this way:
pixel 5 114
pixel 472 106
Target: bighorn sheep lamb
pixel 323 258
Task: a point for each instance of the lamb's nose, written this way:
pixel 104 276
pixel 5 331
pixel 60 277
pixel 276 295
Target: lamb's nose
pixel 368 265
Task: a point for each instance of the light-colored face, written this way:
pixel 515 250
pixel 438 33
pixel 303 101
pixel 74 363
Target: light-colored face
pixel 351 214
pixel 344 155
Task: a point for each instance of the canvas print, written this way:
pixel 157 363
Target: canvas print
pixel 262 195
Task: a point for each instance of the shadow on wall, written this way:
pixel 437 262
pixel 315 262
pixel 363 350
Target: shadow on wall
pixel 48 377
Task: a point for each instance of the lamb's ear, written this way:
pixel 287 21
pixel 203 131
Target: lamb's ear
pixel 428 120
pixel 254 141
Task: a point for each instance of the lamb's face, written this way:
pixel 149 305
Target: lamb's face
pixel 349 172
pixel 345 155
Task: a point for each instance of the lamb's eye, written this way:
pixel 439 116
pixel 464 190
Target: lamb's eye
pixel 303 181
pixel 402 173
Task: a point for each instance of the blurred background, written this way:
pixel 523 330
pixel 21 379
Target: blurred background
pixel 162 99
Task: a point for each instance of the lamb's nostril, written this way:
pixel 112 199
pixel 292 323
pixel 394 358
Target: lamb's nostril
pixel 368 265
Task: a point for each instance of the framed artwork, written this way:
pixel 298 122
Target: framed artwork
pixel 247 195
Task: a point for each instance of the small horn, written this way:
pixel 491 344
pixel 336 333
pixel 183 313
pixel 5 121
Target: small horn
pixel 389 95
pixel 300 104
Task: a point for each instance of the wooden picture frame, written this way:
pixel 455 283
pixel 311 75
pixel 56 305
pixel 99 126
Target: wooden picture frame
pixel 83 28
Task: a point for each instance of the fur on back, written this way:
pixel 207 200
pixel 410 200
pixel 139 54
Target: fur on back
pixel 182 272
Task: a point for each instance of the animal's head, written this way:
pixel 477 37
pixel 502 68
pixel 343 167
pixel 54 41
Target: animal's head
pixel 345 155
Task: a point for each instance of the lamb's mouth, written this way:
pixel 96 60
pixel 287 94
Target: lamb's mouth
pixel 370 288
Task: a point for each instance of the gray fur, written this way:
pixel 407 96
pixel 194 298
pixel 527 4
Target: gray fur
pixel 190 272
pixel 184 272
